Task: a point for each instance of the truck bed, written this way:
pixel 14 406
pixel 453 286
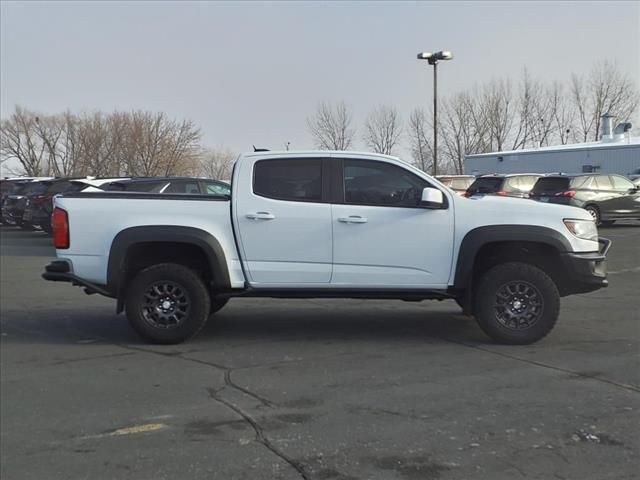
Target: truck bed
pixel 96 218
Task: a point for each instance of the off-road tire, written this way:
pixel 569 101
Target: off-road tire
pixel 539 298
pixel 191 289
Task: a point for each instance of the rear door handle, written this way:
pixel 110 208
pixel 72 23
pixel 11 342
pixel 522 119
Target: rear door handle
pixel 353 219
pixel 260 216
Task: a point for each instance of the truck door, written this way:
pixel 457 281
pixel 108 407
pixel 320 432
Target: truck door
pixel 382 238
pixel 283 221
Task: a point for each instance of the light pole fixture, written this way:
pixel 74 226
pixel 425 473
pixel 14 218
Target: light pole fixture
pixel 433 59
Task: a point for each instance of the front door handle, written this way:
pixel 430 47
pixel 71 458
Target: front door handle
pixel 353 219
pixel 260 216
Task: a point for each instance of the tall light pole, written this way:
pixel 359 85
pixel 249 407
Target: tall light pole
pixel 433 59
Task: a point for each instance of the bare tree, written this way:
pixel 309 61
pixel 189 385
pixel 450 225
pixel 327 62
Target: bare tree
pixel 499 112
pixel 421 148
pixel 382 129
pixel 585 120
pixel 216 163
pixel 59 135
pixel 533 124
pixel 459 132
pixel 20 141
pixel 331 127
pixel 155 145
pixel 605 90
pixel 563 113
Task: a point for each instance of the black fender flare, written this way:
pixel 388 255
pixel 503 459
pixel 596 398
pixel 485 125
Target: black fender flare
pixel 129 237
pixel 475 239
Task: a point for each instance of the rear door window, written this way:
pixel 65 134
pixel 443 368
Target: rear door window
pixel 296 180
pixel 602 182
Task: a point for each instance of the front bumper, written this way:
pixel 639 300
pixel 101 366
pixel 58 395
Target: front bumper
pixel 586 272
pixel 60 271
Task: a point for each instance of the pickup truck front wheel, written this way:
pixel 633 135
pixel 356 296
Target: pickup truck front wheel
pixel 516 303
pixel 167 303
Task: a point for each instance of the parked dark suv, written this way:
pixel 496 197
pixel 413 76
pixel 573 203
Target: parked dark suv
pixel 14 203
pixel 507 185
pixel 38 205
pixel 170 185
pixel 606 197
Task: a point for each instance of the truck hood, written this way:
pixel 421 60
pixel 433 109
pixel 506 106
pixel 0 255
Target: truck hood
pixel 486 210
pixel 499 205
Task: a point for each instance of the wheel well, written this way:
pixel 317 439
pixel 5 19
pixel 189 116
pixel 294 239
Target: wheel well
pixel 541 255
pixel 145 254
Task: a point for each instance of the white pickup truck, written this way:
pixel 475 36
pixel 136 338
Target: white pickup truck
pixel 326 225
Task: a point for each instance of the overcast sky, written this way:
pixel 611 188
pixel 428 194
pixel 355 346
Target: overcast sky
pixel 250 73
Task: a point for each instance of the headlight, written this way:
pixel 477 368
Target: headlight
pixel 585 229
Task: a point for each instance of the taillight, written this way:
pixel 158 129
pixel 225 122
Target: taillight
pixel 502 193
pixel 568 193
pixel 60 225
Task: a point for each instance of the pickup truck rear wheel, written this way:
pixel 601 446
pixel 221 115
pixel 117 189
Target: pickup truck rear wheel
pixel 167 303
pixel 516 303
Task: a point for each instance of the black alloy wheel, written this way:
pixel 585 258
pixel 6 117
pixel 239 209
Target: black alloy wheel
pixel 167 303
pixel 516 303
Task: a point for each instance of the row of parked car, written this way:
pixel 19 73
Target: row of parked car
pixel 607 197
pixel 28 202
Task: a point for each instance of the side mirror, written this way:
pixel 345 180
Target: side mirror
pixel 432 198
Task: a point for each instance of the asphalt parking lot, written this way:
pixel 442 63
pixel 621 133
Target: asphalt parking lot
pixel 311 389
